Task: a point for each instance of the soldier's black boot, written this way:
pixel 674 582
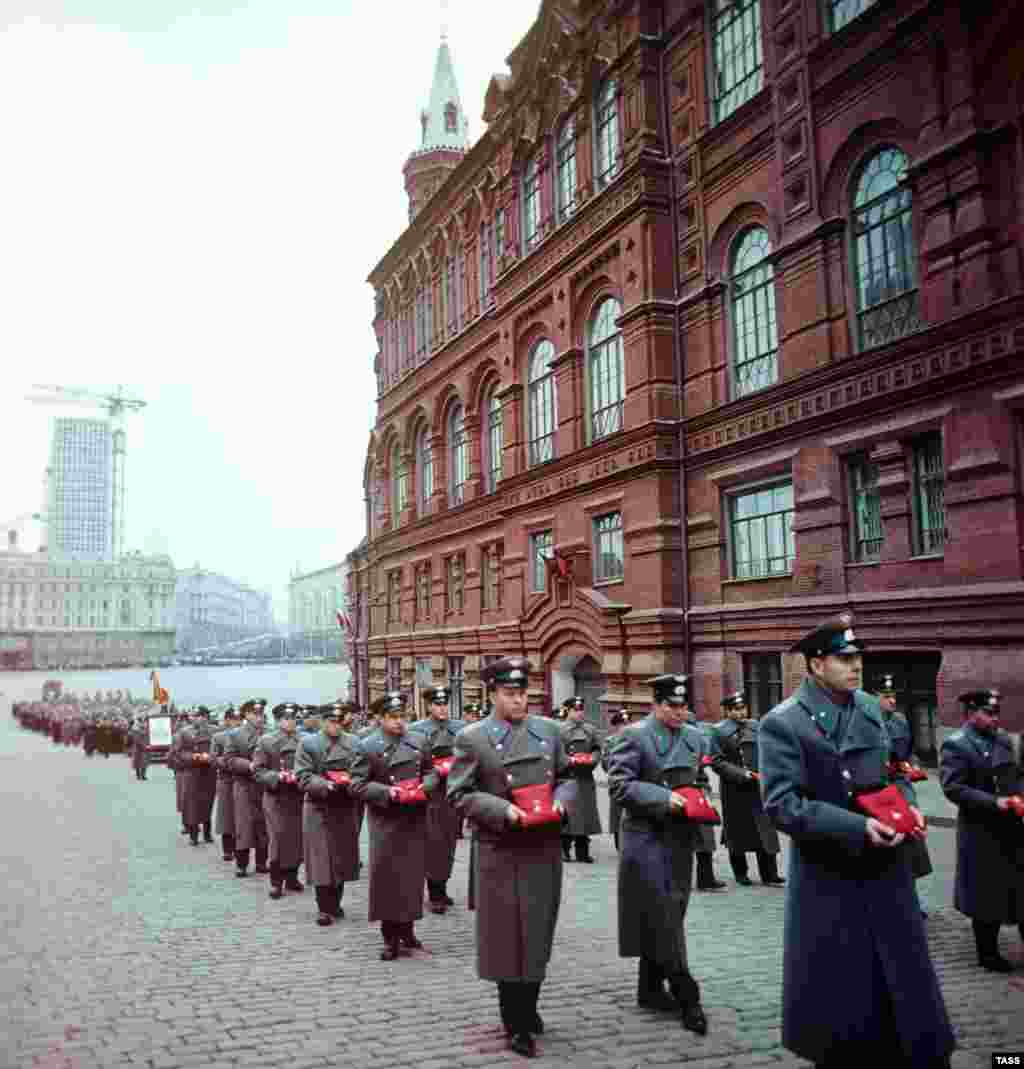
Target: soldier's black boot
pixel 583 849
pixel 687 994
pixel 407 937
pixel 650 988
pixel 520 1013
pixel 567 848
pixel 227 845
pixel 207 837
pixel 389 931
pixel 261 861
pixel 276 878
pixel 323 904
pixel 435 897
pixel 505 1006
pixel 706 874
pixel 241 863
pixel 768 869
pixel 193 834
pixel 291 880
pixel 536 1022
pixel 448 901
pixel 738 864
pixel 986 939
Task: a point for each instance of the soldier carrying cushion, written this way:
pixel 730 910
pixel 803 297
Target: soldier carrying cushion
pixel 582 744
pixel 250 822
pixel 224 819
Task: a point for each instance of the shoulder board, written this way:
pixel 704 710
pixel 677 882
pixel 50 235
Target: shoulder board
pixel 955 736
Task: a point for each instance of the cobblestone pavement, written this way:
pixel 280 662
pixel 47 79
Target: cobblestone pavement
pixel 124 946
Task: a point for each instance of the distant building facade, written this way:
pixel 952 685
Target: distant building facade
pixel 75 613
pixel 80 489
pixel 212 609
pixel 314 600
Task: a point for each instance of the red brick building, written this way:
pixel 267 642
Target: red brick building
pixel 752 265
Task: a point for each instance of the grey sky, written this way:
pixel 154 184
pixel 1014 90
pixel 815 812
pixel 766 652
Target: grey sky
pixel 191 198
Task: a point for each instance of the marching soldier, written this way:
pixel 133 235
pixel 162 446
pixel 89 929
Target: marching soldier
pixel 324 764
pixel 139 740
pixel 310 720
pixel 224 821
pixel 901 743
pixel 980 774
pixel 646 767
pixel 372 724
pixel 191 750
pixel 394 776
pixel 438 731
pixel 173 763
pixel 616 722
pixel 745 825
pixel 582 744
pixel 250 823
pixel 272 768
pixel 511 779
pixel 704 847
pixel 850 903
pixel 472 712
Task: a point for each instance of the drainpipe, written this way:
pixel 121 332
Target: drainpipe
pixel 677 350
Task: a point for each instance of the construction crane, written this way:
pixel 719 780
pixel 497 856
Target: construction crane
pixel 118 405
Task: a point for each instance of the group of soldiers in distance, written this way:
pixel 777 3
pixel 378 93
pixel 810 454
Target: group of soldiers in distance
pixel 830 766
pixel 100 723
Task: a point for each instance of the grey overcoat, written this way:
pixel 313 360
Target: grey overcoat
pixel 443 822
pixel 282 802
pixel 746 826
pixel 224 815
pixel 582 817
pixel 250 822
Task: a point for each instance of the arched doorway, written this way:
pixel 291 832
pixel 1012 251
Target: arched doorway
pixel 579 673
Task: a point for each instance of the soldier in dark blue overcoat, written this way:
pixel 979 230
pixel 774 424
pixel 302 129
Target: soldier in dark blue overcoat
pixel 657 841
pixel 858 985
pixel 979 773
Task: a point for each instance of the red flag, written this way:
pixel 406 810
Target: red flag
pixel 343 621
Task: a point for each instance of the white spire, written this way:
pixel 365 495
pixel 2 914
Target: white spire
pixel 443 122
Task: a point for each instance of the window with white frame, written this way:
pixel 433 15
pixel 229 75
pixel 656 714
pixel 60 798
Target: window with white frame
pixel 495 440
pixel 883 250
pixel 607 124
pixel 606 370
pixel 458 455
pixel 541 551
pixel 755 335
pixel 609 557
pixel 761 531
pixel 566 165
pixel 737 57
pixel 542 411
pixel 424 471
pixel 531 204
pixel 399 485
pixel 840 12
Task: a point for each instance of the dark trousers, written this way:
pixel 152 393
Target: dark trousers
pixel 986 937
pixel 582 846
pixel 517 1002
pixel 242 857
pixel 705 870
pixel 227 843
pixel 328 899
pixel 767 865
pixel 437 890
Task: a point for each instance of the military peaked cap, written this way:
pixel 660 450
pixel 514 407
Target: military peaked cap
pixel 986 701
pixel 392 702
pixel 738 700
pixel 437 695
pixel 673 689
pixel 472 709
pixel 507 672
pixel 575 702
pixel 832 637
pixel 886 687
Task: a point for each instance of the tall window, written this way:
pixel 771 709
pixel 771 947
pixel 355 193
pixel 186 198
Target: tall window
pixel 490 576
pixel 423 591
pixel 531 205
pixel 608 552
pixel 458 455
pixel 865 507
pixel 607 373
pixel 394 596
pixel 607 132
pixel 843 11
pixel 394 674
pixel 454 582
pixel 450 299
pixel 424 471
pixel 738 63
pixel 755 338
pixel 542 404
pixel 495 440
pixel 499 235
pixel 486 265
pixel 761 525
pixel 929 495
pixel 455 685
pixel 460 286
pixel 762 681
pixel 883 251
pixel 399 485
pixel 566 163
pixel 541 549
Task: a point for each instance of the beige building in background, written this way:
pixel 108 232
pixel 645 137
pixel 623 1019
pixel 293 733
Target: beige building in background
pixel 314 599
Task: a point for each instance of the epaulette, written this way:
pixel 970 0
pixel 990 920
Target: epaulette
pixel 958 734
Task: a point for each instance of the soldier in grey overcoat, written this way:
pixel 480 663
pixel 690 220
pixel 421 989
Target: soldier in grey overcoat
pixel 616 722
pixel 398 828
pixel 518 872
pixel 250 822
pixel 224 814
pixel 980 772
pixel 438 730
pixel 746 827
pixel 581 816
pixel 650 760
pixel 472 713
pixel 704 845
pixel 191 749
pixel 139 740
pixel 175 766
pixel 330 812
pixel 858 982
pixel 273 769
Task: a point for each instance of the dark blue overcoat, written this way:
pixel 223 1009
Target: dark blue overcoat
pixel 858 980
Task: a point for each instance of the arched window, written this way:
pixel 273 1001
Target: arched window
pixel 494 441
pixel 607 132
pixel 486 261
pixel 754 333
pixel 458 452
pixel 542 404
pixel 451 115
pixel 607 373
pixel 531 205
pixel 424 471
pixel 566 162
pixel 399 485
pixel 883 252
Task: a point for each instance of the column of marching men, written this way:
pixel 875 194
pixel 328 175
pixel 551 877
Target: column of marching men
pixel 830 767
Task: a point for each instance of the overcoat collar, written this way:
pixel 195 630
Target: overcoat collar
pixel 861 720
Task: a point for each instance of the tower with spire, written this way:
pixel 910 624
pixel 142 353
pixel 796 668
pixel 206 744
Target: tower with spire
pixel 444 134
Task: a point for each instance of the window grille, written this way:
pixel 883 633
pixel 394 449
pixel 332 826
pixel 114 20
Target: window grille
pixel 607 132
pixel 755 336
pixel 607 373
pixel 762 532
pixel 865 504
pixel 929 495
pixel 609 556
pixel 737 61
